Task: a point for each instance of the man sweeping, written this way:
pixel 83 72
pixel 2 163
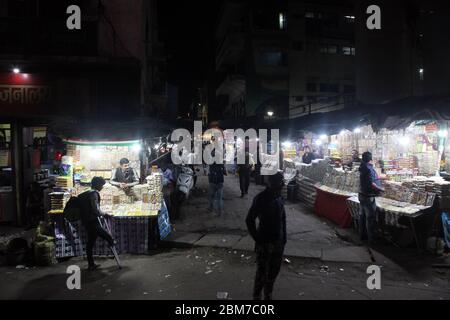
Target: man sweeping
pixel 89 202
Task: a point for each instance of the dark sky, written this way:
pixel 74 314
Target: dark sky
pixel 187 28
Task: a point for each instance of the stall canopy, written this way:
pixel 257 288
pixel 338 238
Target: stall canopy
pixel 393 115
pixel 99 130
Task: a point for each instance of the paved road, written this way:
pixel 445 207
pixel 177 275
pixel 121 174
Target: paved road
pixel 302 225
pixel 200 273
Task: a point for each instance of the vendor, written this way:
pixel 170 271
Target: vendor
pixel 355 158
pixel 124 176
pixel 308 156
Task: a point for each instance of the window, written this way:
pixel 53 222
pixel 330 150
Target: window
pixel 297 45
pixel 273 58
pixel 421 73
pixel 326 87
pixel 282 21
pixel 348 51
pixel 349 18
pixel 329 48
pixel 332 49
pixel 333 88
pixel 311 87
pixel 313 15
pixel 349 89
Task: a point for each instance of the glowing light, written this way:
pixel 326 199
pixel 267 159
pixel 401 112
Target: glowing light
pixel 443 133
pixel 270 113
pixel 318 142
pixel 16 70
pixel 25 76
pixel 95 153
pixel 156 146
pixel 323 137
pixel 287 144
pixel 404 140
pixel 136 147
pixel 357 130
pixel 342 132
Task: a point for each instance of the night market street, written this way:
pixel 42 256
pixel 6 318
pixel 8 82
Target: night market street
pixel 205 272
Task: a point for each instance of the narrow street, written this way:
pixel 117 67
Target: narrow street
pixel 203 272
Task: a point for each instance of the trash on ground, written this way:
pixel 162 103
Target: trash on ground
pixel 208 272
pixel 218 261
pixel 20 266
pixel 341 269
pixel 167 276
pixel 287 260
pixel 145 293
pixel 301 293
pixel 324 268
pixel 222 295
pixel 108 290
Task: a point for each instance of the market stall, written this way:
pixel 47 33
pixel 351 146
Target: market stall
pixel 138 215
pixel 412 162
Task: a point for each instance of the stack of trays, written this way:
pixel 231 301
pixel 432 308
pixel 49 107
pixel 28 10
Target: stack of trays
pixel 58 200
pixel 306 191
pixel 64 182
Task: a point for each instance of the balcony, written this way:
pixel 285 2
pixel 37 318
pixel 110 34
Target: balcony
pixel 43 37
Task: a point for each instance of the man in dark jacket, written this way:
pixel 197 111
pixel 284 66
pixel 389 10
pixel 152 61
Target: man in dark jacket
pixel 90 214
pixel 370 187
pixel 244 171
pixel 270 236
pixel 216 173
pixel 308 156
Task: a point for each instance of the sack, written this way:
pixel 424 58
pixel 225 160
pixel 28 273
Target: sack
pixel 72 210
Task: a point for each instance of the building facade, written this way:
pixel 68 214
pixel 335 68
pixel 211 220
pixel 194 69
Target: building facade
pixel 286 60
pixel 111 69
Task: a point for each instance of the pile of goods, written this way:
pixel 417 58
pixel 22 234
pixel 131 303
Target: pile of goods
pixel 64 182
pixel 58 201
pixel 308 176
pixel 342 180
pixel 306 191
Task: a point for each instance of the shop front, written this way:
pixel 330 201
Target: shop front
pixel 412 164
pixel 138 216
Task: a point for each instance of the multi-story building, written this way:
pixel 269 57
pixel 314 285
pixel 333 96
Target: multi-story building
pixel 407 57
pixel 284 60
pixel 109 70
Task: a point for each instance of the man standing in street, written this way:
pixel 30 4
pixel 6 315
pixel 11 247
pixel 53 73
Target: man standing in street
pixel 370 187
pixel 216 174
pixel 90 215
pixel 244 170
pixel 270 236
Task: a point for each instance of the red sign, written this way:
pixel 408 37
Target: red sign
pixel 23 89
pixel 431 127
